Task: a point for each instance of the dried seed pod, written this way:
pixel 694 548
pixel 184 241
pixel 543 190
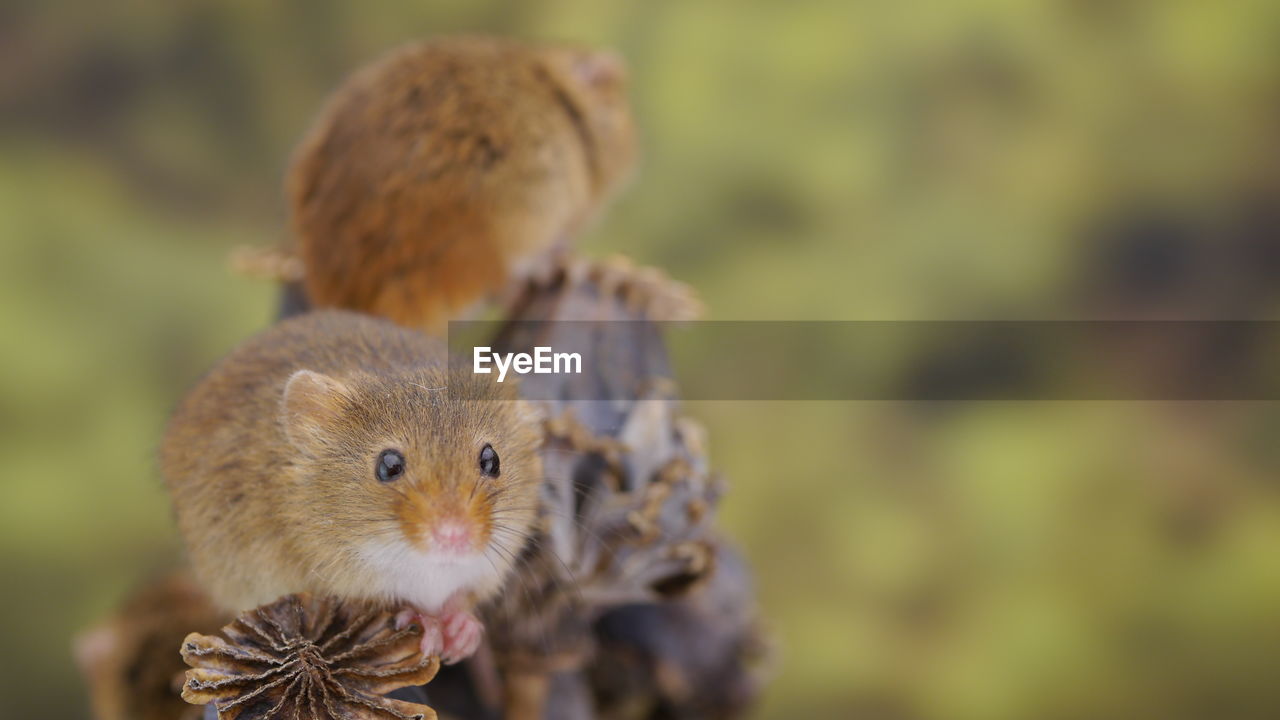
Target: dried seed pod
pixel 628 502
pixel 627 519
pixel 702 655
pixel 305 657
pixel 645 291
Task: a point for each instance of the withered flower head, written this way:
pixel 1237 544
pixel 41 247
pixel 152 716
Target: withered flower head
pixel 304 657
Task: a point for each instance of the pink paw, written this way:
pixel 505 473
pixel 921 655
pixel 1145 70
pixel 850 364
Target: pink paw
pixel 453 635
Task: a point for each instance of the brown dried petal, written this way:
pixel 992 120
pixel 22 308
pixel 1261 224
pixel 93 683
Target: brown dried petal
pixel 308 657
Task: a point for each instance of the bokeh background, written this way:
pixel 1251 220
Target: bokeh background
pixel 803 160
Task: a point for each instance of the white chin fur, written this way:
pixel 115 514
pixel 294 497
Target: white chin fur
pixel 424 580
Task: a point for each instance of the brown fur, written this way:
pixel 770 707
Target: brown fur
pixel 441 171
pixel 272 470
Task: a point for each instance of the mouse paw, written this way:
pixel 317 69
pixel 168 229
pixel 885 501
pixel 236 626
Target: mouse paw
pixel 432 633
pixel 462 633
pixel 453 636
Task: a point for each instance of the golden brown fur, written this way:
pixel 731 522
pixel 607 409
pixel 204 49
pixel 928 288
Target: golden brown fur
pixel 446 168
pixel 272 469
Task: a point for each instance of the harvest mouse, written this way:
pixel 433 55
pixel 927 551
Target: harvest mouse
pixel 327 455
pixel 443 171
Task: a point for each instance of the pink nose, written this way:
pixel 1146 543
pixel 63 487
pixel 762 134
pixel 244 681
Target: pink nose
pixel 452 536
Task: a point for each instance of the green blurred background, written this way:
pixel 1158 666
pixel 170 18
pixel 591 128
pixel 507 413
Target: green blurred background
pixel 803 160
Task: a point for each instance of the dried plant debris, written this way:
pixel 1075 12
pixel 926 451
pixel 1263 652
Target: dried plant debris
pixel 604 539
pixel 305 657
pixel 643 520
pixel 128 660
pixel 644 292
pixel 702 655
pixel 624 569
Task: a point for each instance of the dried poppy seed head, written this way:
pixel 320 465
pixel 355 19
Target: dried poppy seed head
pixel 308 657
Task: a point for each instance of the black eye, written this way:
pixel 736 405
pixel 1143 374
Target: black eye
pixel 489 461
pixel 390 465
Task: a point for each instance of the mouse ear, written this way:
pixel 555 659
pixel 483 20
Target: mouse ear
pixel 312 404
pixel 600 68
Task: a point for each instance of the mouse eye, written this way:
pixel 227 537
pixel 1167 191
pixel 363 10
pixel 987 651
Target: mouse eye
pixel 390 465
pixel 489 461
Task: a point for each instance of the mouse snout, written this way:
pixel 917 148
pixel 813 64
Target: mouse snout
pixel 443 521
pixel 453 536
